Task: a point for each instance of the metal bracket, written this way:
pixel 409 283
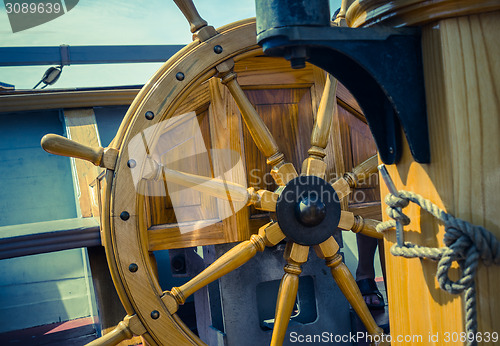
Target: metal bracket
pixel 65 59
pixel 381 67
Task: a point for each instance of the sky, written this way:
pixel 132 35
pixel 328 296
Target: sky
pixel 114 22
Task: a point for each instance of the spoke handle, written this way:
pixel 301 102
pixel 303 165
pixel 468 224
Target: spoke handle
pixel 126 329
pixel 62 146
pixel 286 300
pixel 117 335
pixel 189 10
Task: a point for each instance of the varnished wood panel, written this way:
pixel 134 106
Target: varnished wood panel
pixel 170 237
pixel 185 148
pixel 226 128
pixel 213 151
pixel 358 145
pixel 288 115
pixel 348 102
pixel 368 210
pixel 259 72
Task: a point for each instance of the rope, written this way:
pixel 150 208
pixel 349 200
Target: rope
pixel 465 244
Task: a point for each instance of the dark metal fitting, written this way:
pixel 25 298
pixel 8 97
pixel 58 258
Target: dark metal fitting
pixel 124 215
pixel 131 163
pixel 218 49
pixel 179 76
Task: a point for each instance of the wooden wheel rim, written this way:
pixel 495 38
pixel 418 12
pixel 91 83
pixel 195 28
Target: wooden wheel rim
pixel 139 290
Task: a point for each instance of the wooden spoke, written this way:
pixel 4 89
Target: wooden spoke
pixel 341 274
pixel 348 286
pixel 256 126
pixel 347 220
pixel 367 227
pixel 327 249
pixel 357 224
pixel 195 21
pixel 258 130
pixel 362 172
pixel 315 164
pixel 342 188
pixel 214 187
pixel 62 146
pixel 262 199
pixel 269 235
pixel 126 329
pixel 358 176
pixel 266 200
pixel 287 295
pixel 283 174
pixel 296 255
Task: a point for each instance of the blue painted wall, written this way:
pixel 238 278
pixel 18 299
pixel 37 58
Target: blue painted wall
pixel 108 121
pixel 37 186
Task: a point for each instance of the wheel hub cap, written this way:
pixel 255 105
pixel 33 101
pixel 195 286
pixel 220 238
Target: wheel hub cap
pixel 308 210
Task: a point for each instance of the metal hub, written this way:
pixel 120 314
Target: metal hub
pixel 308 210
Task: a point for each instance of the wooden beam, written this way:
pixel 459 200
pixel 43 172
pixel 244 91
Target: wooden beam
pixel 48 99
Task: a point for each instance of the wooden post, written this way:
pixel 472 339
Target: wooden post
pixel 462 79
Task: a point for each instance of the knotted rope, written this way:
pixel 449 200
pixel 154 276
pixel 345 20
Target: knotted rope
pixel 465 244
